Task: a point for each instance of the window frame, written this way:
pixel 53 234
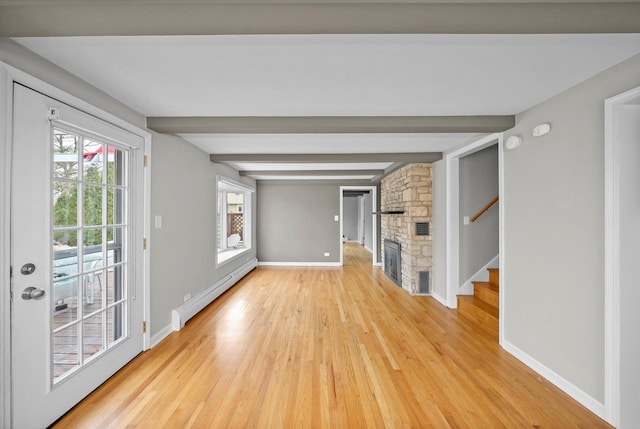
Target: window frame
pixel 225 186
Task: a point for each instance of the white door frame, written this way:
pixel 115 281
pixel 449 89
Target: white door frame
pixel 374 221
pixel 9 75
pixel 612 257
pixel 361 219
pixel 452 210
pixel 5 248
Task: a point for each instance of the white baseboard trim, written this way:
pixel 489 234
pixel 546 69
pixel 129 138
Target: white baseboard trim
pixel 481 276
pixel 186 311
pixel 300 264
pixel 368 249
pixel 439 298
pixel 161 335
pixel 377 264
pixel 566 386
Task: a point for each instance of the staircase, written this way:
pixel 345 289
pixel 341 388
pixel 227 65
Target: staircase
pixel 482 306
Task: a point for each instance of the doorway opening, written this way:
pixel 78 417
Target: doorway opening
pixel 358 226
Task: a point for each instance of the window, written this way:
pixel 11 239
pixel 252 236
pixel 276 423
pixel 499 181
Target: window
pixel 234 219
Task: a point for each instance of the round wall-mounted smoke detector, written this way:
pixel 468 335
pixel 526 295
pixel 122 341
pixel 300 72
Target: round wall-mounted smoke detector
pixel 513 142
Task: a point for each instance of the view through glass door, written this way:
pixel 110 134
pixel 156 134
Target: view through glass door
pixel 77 293
pixel 89 229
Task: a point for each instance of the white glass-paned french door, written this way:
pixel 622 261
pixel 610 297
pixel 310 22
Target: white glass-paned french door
pixel 76 250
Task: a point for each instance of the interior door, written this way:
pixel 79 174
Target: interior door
pixel 76 252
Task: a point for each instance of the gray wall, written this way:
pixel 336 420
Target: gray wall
pixel 479 241
pixel 350 218
pixel 439 230
pixel 296 221
pixel 553 205
pixel 183 252
pixel 368 221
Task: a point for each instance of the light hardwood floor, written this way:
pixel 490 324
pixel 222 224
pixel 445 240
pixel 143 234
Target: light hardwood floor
pixel 356 254
pixel 327 348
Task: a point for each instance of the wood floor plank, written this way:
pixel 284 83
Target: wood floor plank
pixel 330 348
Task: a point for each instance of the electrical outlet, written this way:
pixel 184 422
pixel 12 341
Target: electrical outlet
pixel 187 297
pixel 326 253
pixel 336 218
pixel 158 222
pixel 466 220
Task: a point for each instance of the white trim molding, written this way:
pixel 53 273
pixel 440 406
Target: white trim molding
pixel 181 314
pixel 501 240
pixel 613 212
pixel 6 102
pixel 161 335
pixel 566 386
pixel 374 220
pixel 147 341
pixel 438 298
pixel 300 264
pixel 482 275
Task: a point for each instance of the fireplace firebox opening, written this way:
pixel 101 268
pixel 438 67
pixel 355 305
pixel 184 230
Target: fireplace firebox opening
pixel 392 261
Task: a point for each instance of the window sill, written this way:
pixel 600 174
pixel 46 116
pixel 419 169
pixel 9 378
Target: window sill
pixel 226 255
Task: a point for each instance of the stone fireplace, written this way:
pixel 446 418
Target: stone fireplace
pixel 406 193
pixel 392 261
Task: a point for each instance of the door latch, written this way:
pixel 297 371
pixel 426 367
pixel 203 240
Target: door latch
pixel 32 293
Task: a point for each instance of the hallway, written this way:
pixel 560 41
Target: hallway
pixel 355 254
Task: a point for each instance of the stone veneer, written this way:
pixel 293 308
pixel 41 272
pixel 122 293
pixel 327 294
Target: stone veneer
pixel 408 189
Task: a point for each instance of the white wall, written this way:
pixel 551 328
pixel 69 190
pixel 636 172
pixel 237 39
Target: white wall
pixel 183 252
pixel 350 218
pixel 554 257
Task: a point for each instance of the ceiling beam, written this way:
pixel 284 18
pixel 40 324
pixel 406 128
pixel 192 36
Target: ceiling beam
pixel 31 18
pixel 330 124
pixel 327 158
pixel 310 172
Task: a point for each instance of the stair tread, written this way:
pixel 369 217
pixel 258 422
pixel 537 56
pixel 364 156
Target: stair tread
pixel 494 287
pixel 493 269
pixel 491 310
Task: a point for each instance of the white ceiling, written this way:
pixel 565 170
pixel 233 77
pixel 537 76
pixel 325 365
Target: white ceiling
pixel 334 75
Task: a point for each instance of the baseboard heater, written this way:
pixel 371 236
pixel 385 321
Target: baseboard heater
pixel 180 315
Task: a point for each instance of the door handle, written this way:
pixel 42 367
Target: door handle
pixel 32 293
